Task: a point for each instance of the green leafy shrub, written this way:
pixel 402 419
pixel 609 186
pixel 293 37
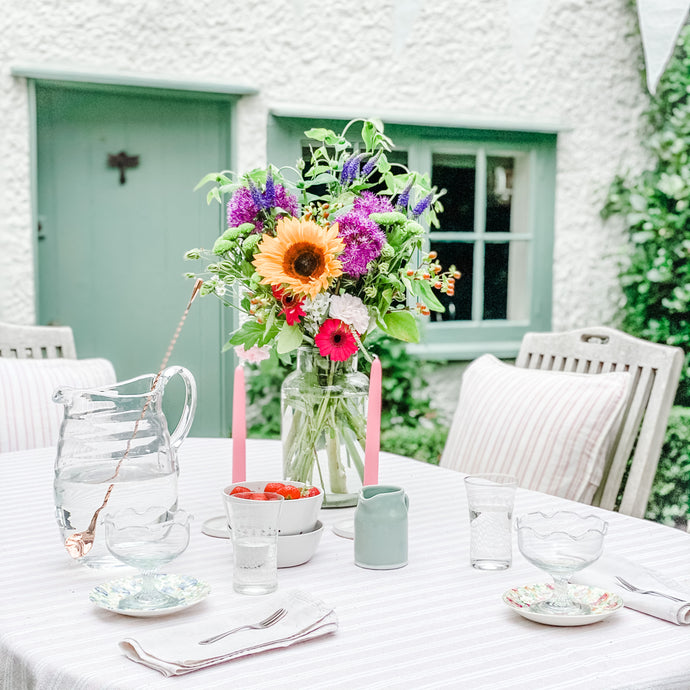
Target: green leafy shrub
pixel 422 443
pixel 669 499
pixel 655 274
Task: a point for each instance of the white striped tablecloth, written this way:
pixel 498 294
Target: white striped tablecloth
pixel 436 623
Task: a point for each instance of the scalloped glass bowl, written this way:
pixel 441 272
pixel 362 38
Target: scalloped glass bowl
pixel 561 543
pixel 147 540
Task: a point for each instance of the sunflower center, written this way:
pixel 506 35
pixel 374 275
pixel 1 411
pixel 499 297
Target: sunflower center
pixel 303 260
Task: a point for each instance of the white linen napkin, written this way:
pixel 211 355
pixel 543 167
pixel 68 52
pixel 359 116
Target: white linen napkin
pixel 175 651
pixel 603 574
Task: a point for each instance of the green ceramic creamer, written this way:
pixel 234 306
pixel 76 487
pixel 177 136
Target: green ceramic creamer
pixel 381 527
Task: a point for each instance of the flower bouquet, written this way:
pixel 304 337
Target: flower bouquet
pixel 316 257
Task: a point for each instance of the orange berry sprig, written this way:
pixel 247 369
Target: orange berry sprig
pixel 318 212
pixel 432 272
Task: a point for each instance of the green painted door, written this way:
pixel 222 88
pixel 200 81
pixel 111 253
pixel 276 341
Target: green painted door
pixel 110 254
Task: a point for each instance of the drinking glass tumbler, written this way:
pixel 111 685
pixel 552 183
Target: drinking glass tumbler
pixel 253 523
pixel 490 499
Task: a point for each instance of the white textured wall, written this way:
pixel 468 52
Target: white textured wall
pixel 444 57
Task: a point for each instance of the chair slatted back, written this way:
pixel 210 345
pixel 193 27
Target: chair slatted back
pixel 655 371
pixel 36 342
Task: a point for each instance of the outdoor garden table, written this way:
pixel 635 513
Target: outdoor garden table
pixel 435 623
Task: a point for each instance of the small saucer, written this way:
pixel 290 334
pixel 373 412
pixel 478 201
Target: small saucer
pixel 216 527
pixel 344 528
pixel 602 603
pixel 186 590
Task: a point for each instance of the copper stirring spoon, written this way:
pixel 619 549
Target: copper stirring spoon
pixel 80 543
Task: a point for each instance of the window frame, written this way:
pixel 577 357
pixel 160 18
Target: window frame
pixel 464 340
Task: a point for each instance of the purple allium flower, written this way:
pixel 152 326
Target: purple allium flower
pixel 363 242
pixel 241 208
pixel 423 205
pixel 283 199
pixel 247 202
pixel 369 202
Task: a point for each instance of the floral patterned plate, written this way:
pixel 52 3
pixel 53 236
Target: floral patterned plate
pixel 602 603
pixel 187 591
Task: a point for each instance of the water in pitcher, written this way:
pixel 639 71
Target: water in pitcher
pixel 79 491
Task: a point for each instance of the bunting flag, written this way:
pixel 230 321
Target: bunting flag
pixel 660 24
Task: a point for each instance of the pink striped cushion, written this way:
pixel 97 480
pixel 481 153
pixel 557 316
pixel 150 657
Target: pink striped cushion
pixel 28 416
pixel 551 429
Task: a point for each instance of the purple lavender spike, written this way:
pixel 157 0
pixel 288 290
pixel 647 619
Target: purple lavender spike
pixel 346 174
pixel 356 163
pixel 404 198
pixel 423 205
pixel 257 197
pixel 269 195
pixel 370 165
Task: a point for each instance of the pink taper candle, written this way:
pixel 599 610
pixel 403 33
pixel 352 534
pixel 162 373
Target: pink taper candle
pixel 372 447
pixel 239 428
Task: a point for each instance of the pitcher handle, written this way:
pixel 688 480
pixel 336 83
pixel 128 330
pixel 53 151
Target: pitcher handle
pixel 185 423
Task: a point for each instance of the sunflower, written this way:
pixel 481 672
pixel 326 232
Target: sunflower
pixel 302 256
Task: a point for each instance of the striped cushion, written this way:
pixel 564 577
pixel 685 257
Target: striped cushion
pixel 551 429
pixel 28 416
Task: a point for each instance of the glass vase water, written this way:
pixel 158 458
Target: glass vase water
pixel 324 426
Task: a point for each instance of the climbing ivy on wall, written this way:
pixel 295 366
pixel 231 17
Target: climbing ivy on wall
pixel 655 273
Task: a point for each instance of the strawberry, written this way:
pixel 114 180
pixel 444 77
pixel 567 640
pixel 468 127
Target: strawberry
pixel 311 491
pixel 274 487
pixel 239 490
pixel 290 492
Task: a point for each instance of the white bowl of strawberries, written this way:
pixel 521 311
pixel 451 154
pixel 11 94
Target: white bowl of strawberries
pixel 300 510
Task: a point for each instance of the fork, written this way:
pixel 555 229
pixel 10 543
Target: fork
pixel 637 590
pixel 265 623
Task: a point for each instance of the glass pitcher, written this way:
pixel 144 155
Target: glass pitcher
pixel 117 435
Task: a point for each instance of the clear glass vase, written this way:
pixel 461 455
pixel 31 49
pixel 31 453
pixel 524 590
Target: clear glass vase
pixel 324 425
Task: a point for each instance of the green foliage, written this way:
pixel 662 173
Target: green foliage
pixel 263 396
pixel 669 501
pixel 655 273
pixel 408 422
pixel 422 443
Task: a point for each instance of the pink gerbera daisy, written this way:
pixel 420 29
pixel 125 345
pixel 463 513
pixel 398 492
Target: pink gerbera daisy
pixel 335 340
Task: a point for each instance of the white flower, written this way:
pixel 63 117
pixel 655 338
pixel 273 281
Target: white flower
pixel 254 354
pixel 218 286
pixel 317 308
pixel 350 310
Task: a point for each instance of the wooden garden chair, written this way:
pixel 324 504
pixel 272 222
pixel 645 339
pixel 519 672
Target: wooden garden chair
pixel 36 342
pixel 627 461
pixel 655 371
pixel 34 361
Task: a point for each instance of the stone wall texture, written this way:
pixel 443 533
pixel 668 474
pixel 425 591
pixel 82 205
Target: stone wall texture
pixel 474 59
